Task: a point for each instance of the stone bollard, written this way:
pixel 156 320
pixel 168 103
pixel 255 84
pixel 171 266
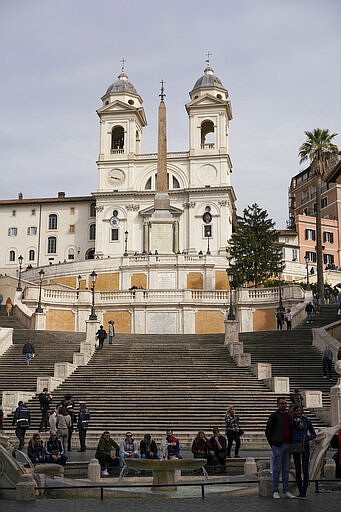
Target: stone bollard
pixel 25 489
pixel 94 471
pixel 250 466
pixel 265 483
pixel 329 469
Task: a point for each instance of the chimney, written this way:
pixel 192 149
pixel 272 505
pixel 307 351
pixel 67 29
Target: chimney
pixel 61 195
pixel 20 196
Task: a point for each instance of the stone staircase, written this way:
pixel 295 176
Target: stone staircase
pixel 292 354
pixel 153 382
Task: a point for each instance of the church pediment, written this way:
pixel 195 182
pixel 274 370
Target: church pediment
pixel 207 100
pixel 116 106
pixel 176 212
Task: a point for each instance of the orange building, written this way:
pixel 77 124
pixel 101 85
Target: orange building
pixel 302 214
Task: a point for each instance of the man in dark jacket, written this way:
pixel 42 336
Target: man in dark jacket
pixel 22 421
pixel 44 400
pixel 278 433
pixel 28 351
pixel 107 453
pixel 101 334
pixel 82 425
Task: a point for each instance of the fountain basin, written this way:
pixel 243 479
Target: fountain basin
pixel 164 470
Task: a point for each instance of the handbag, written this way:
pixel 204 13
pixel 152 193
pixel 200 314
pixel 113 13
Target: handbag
pixel 296 447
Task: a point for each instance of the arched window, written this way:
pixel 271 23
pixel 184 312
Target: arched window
pixel 92 232
pixel 31 255
pixel 93 210
pixel 53 221
pixel 11 255
pixel 71 254
pixel 172 182
pixel 207 135
pixel 117 138
pixel 90 254
pixel 52 245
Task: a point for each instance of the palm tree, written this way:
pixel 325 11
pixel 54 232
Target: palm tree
pixel 318 148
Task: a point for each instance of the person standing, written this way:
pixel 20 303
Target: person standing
pixel 327 361
pixel 296 398
pixel 9 306
pixel 101 334
pixel 288 319
pixel 22 421
pixel 279 319
pixel 232 430
pixel 111 330
pixel 278 433
pixel 45 400
pixel 302 433
pixel 63 422
pixel 309 309
pixel 83 425
pixel 28 351
pixel 70 406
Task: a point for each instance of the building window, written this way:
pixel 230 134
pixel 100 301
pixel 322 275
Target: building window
pixel 31 255
pixel 324 202
pixel 52 245
pixel 72 210
pixel 92 232
pixel 294 255
pixel 14 212
pixel 310 234
pixel 311 256
pixel 117 139
pixel 90 254
pixel 33 212
pixel 328 259
pixel 71 254
pixel 114 235
pixel 11 255
pixel 148 185
pixel 207 135
pixel 72 228
pixel 32 230
pixel 283 253
pixel 207 231
pixel 172 182
pixel 53 221
pixel 328 237
pixel 93 210
pixel 12 231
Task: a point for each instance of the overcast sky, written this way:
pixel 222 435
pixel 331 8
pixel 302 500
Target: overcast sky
pixel 279 60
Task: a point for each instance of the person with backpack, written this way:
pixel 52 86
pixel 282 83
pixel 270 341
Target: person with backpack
pixel 101 334
pixel 22 421
pixel 28 351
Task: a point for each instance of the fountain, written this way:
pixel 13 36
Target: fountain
pixel 164 470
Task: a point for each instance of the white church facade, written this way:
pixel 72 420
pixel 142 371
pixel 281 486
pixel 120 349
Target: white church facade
pixel 155 232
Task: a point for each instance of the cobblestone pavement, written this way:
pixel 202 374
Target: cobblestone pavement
pixel 314 503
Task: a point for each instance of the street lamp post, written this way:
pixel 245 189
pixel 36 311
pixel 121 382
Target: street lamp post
pixel 306 257
pixel 19 288
pixel 39 309
pixel 79 278
pixel 231 315
pixel 208 245
pixel 280 303
pixel 93 315
pixel 125 243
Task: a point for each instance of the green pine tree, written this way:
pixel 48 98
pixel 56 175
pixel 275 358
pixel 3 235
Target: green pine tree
pixel 254 249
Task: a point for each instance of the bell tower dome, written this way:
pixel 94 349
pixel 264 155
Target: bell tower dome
pixel 209 114
pixel 122 120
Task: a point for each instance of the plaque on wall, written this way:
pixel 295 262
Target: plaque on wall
pixel 166 280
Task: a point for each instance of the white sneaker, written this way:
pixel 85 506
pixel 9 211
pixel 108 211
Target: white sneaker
pixel 289 495
pixel 105 473
pixel 276 495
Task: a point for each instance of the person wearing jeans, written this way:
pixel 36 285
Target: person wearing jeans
pixel 278 433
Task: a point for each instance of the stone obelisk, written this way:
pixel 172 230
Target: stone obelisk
pixel 161 200
pixel 162 222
